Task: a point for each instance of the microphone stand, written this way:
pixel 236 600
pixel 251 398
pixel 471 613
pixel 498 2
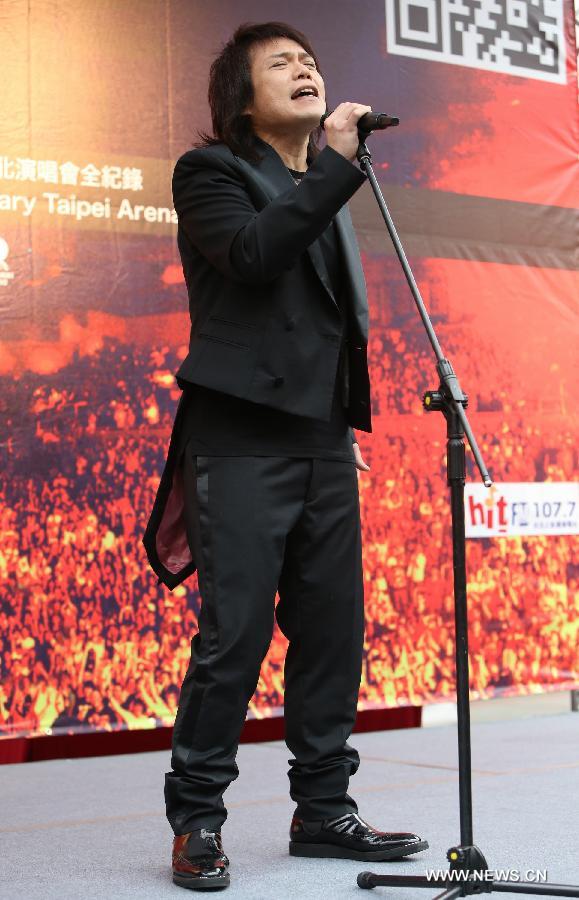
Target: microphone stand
pixel 468 872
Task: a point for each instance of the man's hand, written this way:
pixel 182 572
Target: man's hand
pixel 341 128
pixel 360 464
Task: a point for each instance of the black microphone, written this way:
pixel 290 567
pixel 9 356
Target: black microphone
pixel 371 121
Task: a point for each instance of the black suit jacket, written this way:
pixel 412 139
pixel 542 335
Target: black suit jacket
pixel 265 324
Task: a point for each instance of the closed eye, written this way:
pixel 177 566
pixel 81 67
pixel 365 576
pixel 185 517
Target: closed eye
pixel 282 62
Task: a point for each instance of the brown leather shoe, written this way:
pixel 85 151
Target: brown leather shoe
pixel 199 862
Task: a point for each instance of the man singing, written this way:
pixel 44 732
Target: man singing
pixel 275 378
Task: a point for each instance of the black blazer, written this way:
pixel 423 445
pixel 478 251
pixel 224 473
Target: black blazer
pixel 265 325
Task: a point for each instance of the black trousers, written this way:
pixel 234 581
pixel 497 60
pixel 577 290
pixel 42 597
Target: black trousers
pixel 257 525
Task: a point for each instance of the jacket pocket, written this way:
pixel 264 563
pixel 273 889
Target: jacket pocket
pixel 220 340
pixel 231 322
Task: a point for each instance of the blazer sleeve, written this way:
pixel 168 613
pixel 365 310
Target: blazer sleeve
pixel 216 213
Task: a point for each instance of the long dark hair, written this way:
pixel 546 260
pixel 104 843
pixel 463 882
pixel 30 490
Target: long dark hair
pixel 231 89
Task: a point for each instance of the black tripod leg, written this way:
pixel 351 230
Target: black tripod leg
pixel 544 890
pixel 451 892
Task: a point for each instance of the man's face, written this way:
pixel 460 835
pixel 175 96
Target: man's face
pixel 280 71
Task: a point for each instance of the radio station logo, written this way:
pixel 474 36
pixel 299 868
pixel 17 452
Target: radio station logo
pixel 518 508
pixel 6 273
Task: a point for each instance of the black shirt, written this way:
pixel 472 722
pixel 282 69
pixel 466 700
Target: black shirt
pixel 219 424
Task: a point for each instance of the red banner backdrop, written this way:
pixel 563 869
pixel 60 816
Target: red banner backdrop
pixel 482 179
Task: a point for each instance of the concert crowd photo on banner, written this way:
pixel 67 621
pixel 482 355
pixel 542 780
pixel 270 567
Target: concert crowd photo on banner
pixel 289 470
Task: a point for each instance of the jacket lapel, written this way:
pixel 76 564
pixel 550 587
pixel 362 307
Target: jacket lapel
pixel 353 267
pixel 273 177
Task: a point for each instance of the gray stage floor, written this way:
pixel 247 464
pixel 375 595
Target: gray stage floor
pixel 95 828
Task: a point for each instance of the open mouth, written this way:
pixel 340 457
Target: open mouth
pixel 308 92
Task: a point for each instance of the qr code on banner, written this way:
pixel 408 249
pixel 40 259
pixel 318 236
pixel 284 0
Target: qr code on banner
pixel 517 37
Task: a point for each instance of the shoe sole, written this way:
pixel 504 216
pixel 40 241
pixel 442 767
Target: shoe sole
pixel 201 884
pixel 336 852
